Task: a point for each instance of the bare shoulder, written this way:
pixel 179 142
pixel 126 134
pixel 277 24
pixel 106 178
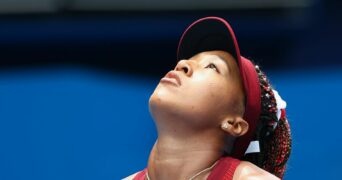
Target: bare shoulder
pixel 249 171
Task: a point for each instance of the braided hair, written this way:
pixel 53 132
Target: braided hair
pixel 273 135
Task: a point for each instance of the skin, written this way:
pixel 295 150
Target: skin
pixel 189 115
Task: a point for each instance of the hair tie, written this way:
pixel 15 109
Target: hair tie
pixel 281 105
pixel 253 147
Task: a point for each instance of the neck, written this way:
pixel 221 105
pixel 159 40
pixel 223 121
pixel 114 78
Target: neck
pixel 173 157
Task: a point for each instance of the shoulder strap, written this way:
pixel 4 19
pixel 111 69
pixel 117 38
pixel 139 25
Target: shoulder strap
pixel 224 169
pixel 140 175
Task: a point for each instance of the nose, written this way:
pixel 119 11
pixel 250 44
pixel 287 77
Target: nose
pixel 184 66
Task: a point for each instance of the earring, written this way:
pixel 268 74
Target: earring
pixel 224 125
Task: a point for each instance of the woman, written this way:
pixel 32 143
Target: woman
pixel 216 114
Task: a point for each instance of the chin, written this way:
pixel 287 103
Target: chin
pixel 162 103
pixel 158 102
pixel 160 96
pixel 165 103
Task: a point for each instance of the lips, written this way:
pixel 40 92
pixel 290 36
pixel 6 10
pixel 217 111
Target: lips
pixel 172 77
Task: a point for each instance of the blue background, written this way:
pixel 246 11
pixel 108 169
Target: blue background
pixel 74 86
pixel 68 123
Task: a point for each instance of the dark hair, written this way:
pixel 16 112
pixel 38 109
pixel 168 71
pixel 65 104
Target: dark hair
pixel 273 135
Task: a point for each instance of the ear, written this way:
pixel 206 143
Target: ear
pixel 235 126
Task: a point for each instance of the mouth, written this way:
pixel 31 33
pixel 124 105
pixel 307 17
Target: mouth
pixel 172 78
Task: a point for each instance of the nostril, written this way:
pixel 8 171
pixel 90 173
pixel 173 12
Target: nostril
pixel 185 69
pixel 184 66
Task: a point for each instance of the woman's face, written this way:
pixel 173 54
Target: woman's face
pixel 200 91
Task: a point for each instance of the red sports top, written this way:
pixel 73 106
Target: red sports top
pixel 223 170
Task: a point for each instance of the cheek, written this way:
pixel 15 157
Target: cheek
pixel 210 99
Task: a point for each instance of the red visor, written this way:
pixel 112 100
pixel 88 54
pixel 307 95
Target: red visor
pixel 214 33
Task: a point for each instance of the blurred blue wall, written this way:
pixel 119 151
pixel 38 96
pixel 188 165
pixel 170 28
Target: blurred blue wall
pixel 72 123
pixel 74 87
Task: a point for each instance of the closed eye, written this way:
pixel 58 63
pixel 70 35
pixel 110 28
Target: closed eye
pixel 212 66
